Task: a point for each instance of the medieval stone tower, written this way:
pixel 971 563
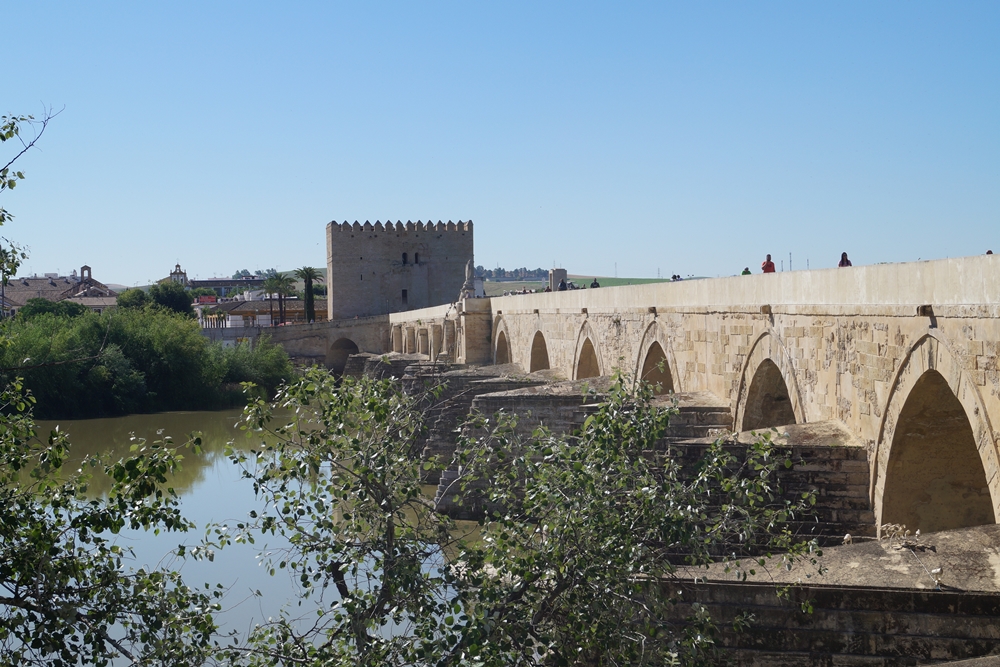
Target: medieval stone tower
pixel 378 269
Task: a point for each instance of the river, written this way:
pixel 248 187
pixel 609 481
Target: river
pixel 211 491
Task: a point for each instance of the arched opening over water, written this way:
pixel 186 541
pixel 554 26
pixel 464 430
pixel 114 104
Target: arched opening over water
pixel 768 403
pixel 336 359
pixel 502 355
pixel 934 476
pixel 587 366
pixel 655 370
pixel 539 353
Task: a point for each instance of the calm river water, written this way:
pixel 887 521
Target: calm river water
pixel 211 491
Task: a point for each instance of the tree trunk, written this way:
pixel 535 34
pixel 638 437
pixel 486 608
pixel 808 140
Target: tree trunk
pixel 310 305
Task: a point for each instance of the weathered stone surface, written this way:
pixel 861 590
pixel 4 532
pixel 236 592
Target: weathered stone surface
pixel 969 560
pixel 851 345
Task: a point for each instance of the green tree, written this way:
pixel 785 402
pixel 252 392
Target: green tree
pixel 39 306
pixel 172 296
pixel 70 594
pixel 580 531
pixel 11 127
pixel 133 298
pixel 271 286
pixel 308 275
pixel 283 285
pixel 193 294
pixel 131 360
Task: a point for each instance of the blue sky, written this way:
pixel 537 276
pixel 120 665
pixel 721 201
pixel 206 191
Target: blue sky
pixel 686 138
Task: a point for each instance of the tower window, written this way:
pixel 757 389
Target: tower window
pixel 404 259
pixel 416 258
pixel 404 297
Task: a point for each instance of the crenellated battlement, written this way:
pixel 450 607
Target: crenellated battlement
pixel 385 266
pixel 399 226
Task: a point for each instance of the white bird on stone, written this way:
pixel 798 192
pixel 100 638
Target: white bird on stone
pixel 848 539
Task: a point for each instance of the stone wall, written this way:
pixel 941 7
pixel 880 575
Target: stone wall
pixel 843 344
pixel 379 269
pixel 856 345
pixel 458 332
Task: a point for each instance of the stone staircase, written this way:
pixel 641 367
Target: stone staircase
pixel 826 461
pixel 847 625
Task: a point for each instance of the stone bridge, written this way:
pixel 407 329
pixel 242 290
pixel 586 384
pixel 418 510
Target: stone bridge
pixel 904 356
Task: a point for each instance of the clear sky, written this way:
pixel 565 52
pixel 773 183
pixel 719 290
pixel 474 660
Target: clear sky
pixel 680 137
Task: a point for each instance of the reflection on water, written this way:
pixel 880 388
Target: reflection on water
pixel 211 491
pixel 114 436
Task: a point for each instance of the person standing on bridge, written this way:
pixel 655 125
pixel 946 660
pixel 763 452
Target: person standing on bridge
pixel 746 271
pixel 595 284
pixel 844 261
pixel 767 266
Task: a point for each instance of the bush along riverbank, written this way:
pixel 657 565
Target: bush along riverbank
pixel 131 360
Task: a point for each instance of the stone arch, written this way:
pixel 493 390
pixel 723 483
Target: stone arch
pixel 336 356
pixel 768 390
pixel 935 463
pixel 501 351
pixel 656 371
pixel 539 353
pixel 500 333
pixel 768 403
pixel 648 360
pixel 587 362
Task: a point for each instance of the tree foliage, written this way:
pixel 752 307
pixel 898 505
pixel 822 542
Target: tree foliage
pixel 308 275
pixel 69 594
pixel 201 291
pixel 131 360
pixel 12 129
pixel 134 298
pixel 172 296
pixel 39 306
pixel 580 530
pixel 280 285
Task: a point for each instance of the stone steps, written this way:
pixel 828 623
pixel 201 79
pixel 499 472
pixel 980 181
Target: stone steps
pixel 838 476
pixel 848 625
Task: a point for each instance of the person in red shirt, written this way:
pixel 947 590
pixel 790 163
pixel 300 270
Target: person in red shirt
pixel 767 266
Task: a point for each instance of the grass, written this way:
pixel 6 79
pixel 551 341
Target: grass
pixel 493 288
pixel 605 281
pixel 498 288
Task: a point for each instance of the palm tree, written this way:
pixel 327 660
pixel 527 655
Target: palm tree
pixel 283 285
pixel 307 275
pixel 271 286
